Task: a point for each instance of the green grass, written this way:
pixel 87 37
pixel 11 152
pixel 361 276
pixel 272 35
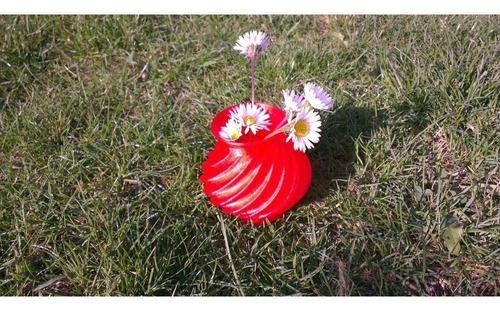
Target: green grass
pixel 104 123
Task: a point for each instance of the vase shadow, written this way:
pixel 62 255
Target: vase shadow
pixel 334 158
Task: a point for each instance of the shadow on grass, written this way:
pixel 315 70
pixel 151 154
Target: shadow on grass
pixel 334 158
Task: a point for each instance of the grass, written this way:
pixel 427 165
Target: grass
pixel 104 123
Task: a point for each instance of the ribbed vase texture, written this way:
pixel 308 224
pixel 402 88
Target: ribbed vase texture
pixel 255 179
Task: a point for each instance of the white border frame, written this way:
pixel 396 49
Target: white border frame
pixel 241 307
pixel 250 7
pixel 245 306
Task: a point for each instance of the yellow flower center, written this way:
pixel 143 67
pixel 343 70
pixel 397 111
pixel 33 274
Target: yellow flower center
pixel 301 128
pixel 234 135
pixel 249 120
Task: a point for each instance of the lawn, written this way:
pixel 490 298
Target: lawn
pixel 104 124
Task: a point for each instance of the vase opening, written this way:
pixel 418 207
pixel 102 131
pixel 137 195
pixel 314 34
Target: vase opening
pixel 276 116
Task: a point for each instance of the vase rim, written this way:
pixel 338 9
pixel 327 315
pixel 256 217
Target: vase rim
pixel 223 116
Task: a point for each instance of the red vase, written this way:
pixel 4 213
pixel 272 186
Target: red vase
pixel 254 179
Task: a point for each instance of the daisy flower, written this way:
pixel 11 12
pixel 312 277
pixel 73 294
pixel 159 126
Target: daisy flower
pixel 252 44
pixel 231 131
pixel 317 97
pixel 304 129
pixel 250 116
pixel 293 102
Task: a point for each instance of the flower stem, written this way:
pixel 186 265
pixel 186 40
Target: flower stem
pixel 285 119
pixel 252 75
pixel 279 130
